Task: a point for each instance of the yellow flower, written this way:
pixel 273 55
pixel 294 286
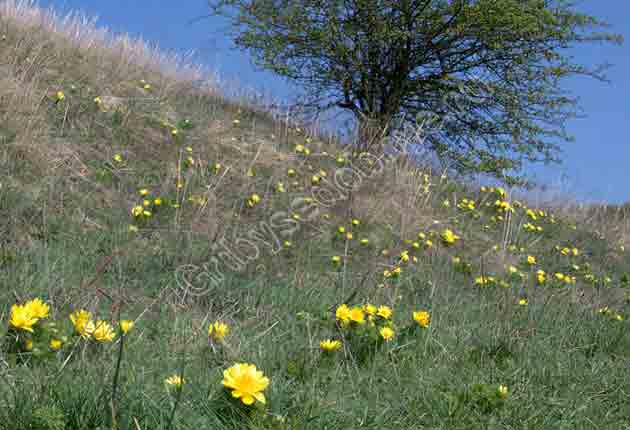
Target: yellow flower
pixel 356 222
pixel 364 242
pixel 118 158
pixel 246 382
pixel 144 192
pixel 336 259
pixel 253 200
pixel 37 308
pixel 330 345
pixel 357 315
pixel 137 211
pixel 384 312
pixel 449 237
pixel 370 309
pixel 423 318
pixel 103 332
pixel 175 381
pixel 541 276
pixel 126 325
pixel 157 202
pixel 28 345
pixel 82 321
pixel 386 333
pixel 218 330
pixel 531 260
pixel 502 391
pixel 291 172
pixel 21 318
pixel 55 344
pixel 287 244
pixel 523 302
pixel 343 313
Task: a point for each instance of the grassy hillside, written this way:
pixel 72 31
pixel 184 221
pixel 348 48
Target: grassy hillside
pixel 131 193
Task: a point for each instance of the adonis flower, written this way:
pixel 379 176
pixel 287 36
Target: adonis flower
pixel 384 312
pixel 175 381
pixel 218 330
pixel 37 308
pixel 423 318
pixel 21 318
pixel 246 382
pixel 83 324
pixel 449 237
pixel 343 313
pixel 330 345
pixel 386 333
pixel 103 332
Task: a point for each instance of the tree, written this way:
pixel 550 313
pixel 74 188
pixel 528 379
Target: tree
pixel 483 76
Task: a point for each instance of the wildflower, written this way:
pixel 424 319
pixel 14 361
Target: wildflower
pixel 356 222
pixel 384 312
pixel 82 321
pixel 449 237
pixel 315 179
pixel 118 158
pixel 137 211
pixel 343 313
pixel 246 382
pixel 364 242
pixel 349 236
pixel 502 391
pixel 28 345
pixel 531 260
pixel 60 96
pixel 523 302
pixel 291 173
pixel 157 202
pixel 423 318
pixel 280 187
pixel 404 256
pixel 21 318
pixel 541 276
pixel 175 381
pixel 146 203
pixel 386 333
pixel 236 121
pixel 37 308
pixel 370 309
pixel 103 332
pixel 126 325
pixel 357 315
pixel 55 344
pixel 253 200
pixel 133 228
pixel 330 345
pixel 218 330
pixel 287 244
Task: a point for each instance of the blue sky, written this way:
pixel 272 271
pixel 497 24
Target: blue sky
pixel 596 166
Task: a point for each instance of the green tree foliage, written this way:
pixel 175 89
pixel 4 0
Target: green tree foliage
pixel 483 77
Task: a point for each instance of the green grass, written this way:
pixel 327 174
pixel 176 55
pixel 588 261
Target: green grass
pixel 65 218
